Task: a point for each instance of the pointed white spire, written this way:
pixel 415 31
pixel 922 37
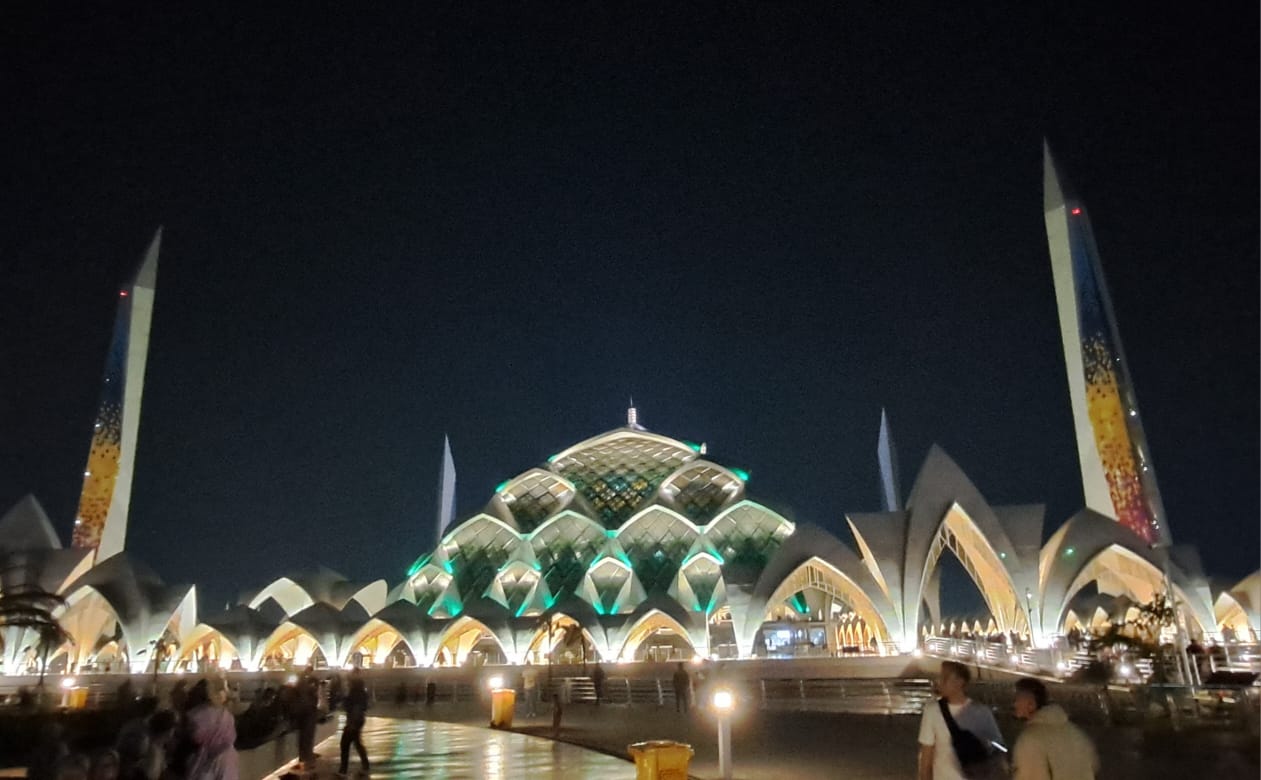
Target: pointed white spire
pixel 446 492
pixel 887 455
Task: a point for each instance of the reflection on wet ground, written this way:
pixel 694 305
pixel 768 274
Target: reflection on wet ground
pixel 425 749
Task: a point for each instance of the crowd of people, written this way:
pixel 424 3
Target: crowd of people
pixel 194 737
pixel 193 733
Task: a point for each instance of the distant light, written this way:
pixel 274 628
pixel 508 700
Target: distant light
pixel 1002 555
pixel 742 474
pixel 87 473
pixel 495 682
pixel 1076 212
pixel 1126 670
pixel 1070 551
pixel 292 679
pixel 122 293
pixel 917 653
pixel 500 487
pixel 724 700
pixel 697 660
pixel 1134 413
pixel 67 682
pixel 1060 665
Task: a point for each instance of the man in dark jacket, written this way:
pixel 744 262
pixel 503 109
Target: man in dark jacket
pixel 356 702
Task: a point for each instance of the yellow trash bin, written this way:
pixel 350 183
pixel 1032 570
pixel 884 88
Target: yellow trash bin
pixel 502 702
pixel 78 698
pixel 661 759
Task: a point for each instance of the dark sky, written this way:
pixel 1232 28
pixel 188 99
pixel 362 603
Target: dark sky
pixel 764 221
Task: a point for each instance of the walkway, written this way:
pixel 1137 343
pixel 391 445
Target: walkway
pixel 401 749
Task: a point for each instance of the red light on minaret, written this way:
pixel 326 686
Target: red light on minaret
pixel 1076 212
pixel 122 293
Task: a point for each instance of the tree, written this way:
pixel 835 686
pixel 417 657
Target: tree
pixel 31 607
pixel 571 633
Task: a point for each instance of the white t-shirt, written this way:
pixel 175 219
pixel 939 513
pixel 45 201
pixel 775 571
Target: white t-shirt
pixel 933 730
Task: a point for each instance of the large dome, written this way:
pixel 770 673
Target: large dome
pixel 612 520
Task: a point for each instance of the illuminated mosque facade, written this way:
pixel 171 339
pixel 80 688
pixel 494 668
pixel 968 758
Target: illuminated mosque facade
pixel 646 548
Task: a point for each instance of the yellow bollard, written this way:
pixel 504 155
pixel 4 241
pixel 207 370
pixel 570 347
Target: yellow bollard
pixel 502 703
pixel 661 759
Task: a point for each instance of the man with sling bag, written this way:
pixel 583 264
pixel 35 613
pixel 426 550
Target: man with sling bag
pixel 959 738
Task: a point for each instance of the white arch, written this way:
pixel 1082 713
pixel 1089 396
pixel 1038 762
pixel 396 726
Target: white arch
pixel 1118 568
pixel 641 629
pixel 648 511
pixel 820 575
pixel 458 629
pixel 292 597
pixel 983 564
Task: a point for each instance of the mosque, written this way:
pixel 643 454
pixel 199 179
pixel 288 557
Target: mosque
pixel 635 545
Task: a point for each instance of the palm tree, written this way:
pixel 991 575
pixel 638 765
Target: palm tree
pixel 545 621
pixel 570 633
pixel 31 607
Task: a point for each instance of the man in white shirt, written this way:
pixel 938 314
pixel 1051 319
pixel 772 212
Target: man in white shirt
pixel 937 759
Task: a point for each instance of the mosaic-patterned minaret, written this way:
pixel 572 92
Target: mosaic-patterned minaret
pixel 101 523
pixel 1118 477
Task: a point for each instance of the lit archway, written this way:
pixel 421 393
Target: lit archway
pixel 820 577
pixel 468 641
pixel 291 646
pixel 379 644
pixel 656 637
pixel 960 535
pixel 207 648
pixel 1118 571
pixel 555 636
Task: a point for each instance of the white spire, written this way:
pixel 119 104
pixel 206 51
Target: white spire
pixel 887 455
pixel 446 492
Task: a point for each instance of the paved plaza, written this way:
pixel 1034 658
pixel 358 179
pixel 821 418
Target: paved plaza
pixel 406 749
pixel 822 746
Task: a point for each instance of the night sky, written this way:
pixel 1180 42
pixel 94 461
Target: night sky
pixel 763 221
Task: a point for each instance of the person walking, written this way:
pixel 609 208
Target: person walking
pixel 530 685
pixel 307 705
pixel 958 738
pixel 1051 747
pixel 212 729
pixel 682 682
pixel 597 679
pixel 356 701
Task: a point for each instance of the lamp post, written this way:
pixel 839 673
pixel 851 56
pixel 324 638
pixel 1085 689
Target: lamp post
pixel 724 702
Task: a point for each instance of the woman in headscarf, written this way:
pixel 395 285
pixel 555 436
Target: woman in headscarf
pixel 212 729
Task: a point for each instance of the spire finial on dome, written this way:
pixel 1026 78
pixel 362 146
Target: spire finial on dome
pixel 632 416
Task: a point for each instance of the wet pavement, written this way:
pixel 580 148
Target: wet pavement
pixel 416 748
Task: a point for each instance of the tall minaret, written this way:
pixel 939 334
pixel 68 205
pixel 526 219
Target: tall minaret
pixel 101 522
pixel 1118 478
pixel 887 456
pixel 446 492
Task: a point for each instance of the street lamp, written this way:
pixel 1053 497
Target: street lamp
pixel 724 702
